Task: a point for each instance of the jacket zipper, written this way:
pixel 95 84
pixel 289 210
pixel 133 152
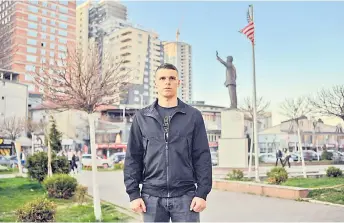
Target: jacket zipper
pixel 167 162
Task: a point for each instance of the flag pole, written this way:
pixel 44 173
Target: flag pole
pixel 255 125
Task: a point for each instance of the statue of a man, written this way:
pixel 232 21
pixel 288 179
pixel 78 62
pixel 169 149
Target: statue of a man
pixel 230 82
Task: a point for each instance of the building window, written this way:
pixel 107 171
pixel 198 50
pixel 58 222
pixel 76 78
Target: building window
pixel 64 41
pixel 31 58
pixel 62 32
pixel 44 20
pixel 63 2
pixel 63 25
pixel 31 25
pixel 136 92
pixel 145 79
pixel 63 17
pixel 44 28
pixel 62 48
pixel 52 30
pixel 63 10
pixel 31 49
pixel 44 36
pixel 52 22
pixel 31 42
pixel 43 52
pixel 44 12
pixel 52 46
pixel 32 33
pixel 52 38
pixel 33 9
pixel 52 54
pixel 136 99
pixel 32 17
pixel 30 68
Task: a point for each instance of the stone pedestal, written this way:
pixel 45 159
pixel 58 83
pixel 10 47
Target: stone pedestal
pixel 233 144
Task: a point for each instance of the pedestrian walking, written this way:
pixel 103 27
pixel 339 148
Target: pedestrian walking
pixel 287 157
pixel 279 156
pixel 168 153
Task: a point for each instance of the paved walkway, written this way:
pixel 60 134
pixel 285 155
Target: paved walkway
pixel 227 206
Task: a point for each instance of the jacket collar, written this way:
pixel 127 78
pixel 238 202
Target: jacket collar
pixel 151 109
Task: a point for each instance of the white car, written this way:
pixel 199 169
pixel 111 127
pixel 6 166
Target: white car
pixel 86 160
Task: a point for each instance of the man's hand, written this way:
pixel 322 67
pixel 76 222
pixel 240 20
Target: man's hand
pixel 138 205
pixel 198 204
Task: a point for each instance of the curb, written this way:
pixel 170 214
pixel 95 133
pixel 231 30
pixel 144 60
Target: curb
pixel 325 203
pixel 136 217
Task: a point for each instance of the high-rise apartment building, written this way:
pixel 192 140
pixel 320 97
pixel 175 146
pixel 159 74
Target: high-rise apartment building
pixel 40 32
pixel 180 55
pixel 141 52
pixel 94 20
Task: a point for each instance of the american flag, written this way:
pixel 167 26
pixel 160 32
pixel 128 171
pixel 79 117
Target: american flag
pixel 248 30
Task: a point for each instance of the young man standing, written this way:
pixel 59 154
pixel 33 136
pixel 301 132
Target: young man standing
pixel 168 153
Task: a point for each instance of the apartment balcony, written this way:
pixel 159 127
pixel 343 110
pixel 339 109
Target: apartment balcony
pixel 126 40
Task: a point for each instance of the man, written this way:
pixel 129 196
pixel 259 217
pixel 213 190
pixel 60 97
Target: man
pixel 168 152
pixel 279 156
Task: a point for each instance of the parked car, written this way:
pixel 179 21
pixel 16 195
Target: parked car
pixel 118 157
pixel 8 162
pixel 86 160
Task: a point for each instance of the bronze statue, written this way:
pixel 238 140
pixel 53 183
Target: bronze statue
pixel 230 82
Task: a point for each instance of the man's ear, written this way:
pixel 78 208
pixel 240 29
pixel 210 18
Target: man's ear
pixel 178 82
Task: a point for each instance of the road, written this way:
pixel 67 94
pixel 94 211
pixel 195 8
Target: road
pixel 227 206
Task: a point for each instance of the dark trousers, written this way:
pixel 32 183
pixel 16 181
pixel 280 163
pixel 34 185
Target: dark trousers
pixel 287 160
pixel 176 209
pixel 280 159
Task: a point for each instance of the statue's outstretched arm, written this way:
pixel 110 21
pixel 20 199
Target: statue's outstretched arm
pixel 219 59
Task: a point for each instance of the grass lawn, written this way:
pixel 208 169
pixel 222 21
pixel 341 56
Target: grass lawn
pixel 14 192
pixel 9 171
pixel 333 195
pixel 314 182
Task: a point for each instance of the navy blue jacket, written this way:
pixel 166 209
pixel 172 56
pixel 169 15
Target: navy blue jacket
pixel 168 165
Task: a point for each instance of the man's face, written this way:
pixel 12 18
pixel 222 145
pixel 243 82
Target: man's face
pixel 167 82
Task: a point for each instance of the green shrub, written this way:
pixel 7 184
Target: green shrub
pixel 118 166
pixel 60 186
pixel 60 164
pixel 326 155
pixel 277 175
pixel 39 210
pixel 80 194
pixel 37 165
pixel 334 172
pixel 236 175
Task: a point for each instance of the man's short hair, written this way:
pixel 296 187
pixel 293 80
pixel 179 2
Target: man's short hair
pixel 167 66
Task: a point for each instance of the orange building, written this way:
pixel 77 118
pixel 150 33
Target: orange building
pixel 37 32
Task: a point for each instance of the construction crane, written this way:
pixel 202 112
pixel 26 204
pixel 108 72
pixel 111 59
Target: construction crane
pixel 178 33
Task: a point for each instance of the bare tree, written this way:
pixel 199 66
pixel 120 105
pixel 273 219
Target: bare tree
pixel 84 83
pixel 12 127
pixel 329 102
pixel 247 107
pixel 296 109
